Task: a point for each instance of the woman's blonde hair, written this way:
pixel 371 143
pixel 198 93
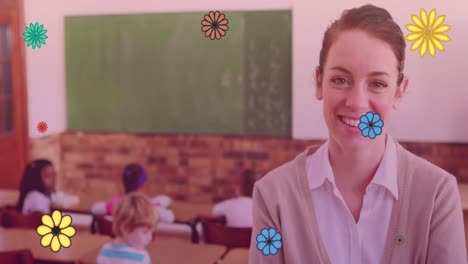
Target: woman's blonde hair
pixel 135 210
pixel 373 20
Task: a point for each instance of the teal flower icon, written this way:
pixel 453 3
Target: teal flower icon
pixel 371 125
pixel 35 35
pixel 269 241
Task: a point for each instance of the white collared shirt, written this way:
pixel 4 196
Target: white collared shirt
pixel 346 241
pixel 36 202
pixel 238 211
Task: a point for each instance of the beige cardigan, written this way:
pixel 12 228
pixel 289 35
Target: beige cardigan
pixel 426 224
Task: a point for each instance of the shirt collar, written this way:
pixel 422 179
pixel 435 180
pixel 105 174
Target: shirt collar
pixel 386 174
pixel 319 168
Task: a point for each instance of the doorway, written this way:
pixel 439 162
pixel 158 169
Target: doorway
pixel 14 139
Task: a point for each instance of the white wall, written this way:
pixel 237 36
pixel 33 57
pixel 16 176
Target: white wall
pixel 432 111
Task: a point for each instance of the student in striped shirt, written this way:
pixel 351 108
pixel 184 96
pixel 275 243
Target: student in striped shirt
pixel 134 221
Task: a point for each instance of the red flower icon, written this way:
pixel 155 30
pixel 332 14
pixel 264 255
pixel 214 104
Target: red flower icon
pixel 214 25
pixel 42 127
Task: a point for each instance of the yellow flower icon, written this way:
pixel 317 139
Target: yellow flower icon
pixel 56 231
pixel 427 32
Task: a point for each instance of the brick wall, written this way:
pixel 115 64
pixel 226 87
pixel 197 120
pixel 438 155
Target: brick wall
pixel 190 167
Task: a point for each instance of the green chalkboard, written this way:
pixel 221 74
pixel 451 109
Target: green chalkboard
pixel 267 71
pixel 158 73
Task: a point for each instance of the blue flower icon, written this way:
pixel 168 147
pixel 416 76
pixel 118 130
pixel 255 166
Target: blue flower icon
pixel 269 241
pixel 371 125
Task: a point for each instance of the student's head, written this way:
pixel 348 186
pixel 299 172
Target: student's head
pixel 360 69
pixel 39 175
pixel 247 181
pixel 135 219
pixel 133 178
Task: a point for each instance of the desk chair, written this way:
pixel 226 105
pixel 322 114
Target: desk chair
pixel 215 232
pixel 102 225
pixel 17 257
pixel 13 219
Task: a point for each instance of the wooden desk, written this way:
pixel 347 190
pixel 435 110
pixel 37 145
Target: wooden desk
pixel 236 256
pixel 172 250
pixel 184 212
pixel 83 207
pixel 8 197
pixel 82 243
pixel 187 213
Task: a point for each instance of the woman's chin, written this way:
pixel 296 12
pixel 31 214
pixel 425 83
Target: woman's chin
pixel 353 141
pixel 350 139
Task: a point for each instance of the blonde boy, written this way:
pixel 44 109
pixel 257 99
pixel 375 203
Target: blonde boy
pixel 134 221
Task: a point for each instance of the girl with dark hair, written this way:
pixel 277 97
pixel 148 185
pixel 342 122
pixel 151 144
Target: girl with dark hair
pixel 37 185
pixel 134 178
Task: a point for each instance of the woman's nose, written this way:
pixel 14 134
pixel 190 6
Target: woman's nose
pixel 357 98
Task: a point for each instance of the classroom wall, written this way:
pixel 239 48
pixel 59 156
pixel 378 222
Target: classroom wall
pixel 190 168
pixel 46 66
pixel 432 110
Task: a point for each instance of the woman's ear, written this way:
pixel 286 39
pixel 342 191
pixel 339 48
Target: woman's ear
pixel 400 92
pixel 318 83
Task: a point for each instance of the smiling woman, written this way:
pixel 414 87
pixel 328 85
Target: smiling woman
pixel 360 198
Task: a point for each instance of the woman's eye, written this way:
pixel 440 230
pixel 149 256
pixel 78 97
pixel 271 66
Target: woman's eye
pixel 339 81
pixel 379 85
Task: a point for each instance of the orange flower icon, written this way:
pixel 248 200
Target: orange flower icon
pixel 214 25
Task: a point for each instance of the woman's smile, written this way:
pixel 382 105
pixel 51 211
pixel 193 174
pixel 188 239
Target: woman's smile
pixel 349 123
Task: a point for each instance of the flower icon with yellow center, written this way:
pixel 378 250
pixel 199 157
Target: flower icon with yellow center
pixel 428 32
pixel 56 231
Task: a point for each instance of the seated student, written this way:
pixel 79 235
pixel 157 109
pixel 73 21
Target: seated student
pixel 133 179
pixel 238 211
pixel 37 185
pixel 134 221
